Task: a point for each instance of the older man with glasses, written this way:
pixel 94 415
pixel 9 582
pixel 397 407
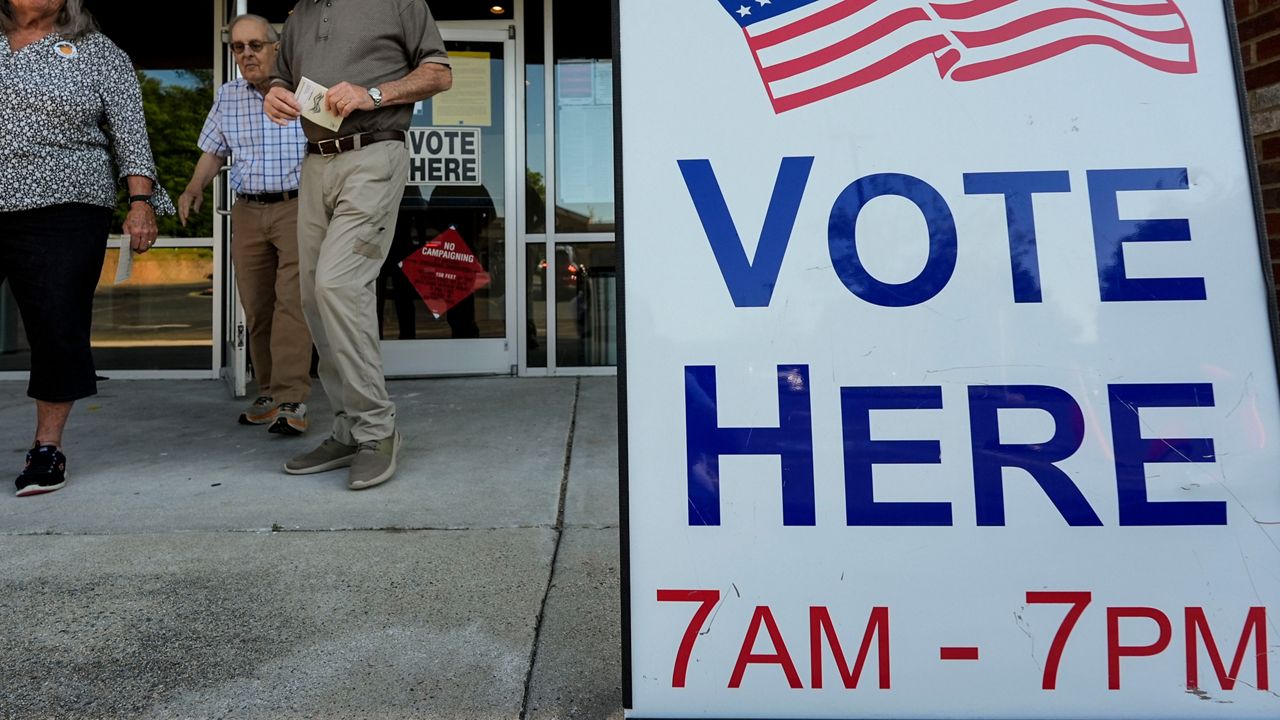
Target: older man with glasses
pixel 264 246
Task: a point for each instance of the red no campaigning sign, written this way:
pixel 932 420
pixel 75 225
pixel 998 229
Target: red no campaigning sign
pixel 444 271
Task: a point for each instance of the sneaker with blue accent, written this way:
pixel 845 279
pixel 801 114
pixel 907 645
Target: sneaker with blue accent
pixel 45 472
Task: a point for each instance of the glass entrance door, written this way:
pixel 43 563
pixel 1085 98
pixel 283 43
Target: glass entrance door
pixel 160 318
pixel 447 293
pixel 460 192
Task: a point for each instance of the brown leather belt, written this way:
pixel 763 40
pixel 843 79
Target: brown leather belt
pixel 266 198
pixel 333 146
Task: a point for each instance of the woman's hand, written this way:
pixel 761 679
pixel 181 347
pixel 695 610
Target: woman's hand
pixel 140 226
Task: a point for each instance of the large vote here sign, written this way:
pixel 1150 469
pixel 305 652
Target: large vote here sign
pixel 949 383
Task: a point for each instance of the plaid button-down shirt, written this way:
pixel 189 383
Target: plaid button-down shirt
pixel 268 157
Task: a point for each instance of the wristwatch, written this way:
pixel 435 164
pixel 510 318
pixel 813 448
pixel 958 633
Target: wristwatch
pixel 376 94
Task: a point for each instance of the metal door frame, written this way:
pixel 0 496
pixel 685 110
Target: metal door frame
pixel 230 348
pixel 418 358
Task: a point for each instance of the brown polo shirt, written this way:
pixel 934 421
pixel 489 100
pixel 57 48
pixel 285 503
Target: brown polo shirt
pixel 363 42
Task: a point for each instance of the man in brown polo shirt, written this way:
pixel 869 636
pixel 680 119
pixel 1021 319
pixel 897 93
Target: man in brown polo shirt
pixel 377 57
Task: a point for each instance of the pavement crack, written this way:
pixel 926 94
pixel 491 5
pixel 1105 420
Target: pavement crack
pixel 281 530
pixel 555 552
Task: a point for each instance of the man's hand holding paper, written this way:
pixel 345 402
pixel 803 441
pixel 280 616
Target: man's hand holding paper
pixel 311 97
pixel 346 98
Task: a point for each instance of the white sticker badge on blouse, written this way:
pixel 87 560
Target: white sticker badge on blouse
pixel 66 50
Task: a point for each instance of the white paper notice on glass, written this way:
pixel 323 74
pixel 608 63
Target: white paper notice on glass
pixel 124 265
pixel 310 96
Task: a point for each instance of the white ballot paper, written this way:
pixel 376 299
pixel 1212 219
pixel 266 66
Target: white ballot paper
pixel 124 265
pixel 311 97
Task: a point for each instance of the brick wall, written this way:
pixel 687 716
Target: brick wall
pixel 1259 25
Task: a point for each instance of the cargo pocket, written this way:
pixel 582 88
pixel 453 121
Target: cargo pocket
pixel 388 151
pixel 373 243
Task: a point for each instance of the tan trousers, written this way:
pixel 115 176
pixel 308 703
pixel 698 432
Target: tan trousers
pixel 346 220
pixel 264 250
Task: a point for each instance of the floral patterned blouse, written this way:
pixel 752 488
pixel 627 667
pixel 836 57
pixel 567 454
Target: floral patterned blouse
pixel 71 124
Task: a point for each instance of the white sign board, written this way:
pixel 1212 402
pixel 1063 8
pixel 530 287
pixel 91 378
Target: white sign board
pixel 444 156
pixel 949 384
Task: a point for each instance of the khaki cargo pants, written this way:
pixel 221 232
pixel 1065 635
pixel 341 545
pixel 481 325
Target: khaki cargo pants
pixel 346 220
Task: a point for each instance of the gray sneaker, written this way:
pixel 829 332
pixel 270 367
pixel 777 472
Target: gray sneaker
pixel 330 455
pixel 375 462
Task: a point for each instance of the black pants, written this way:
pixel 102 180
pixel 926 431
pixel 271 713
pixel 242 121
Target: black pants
pixel 52 259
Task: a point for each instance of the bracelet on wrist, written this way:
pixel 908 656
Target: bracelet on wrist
pixel 139 198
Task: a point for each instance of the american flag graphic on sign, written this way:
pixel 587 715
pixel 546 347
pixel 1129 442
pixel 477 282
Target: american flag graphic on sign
pixel 809 50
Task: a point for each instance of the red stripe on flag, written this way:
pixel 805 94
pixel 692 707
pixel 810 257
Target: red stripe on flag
pixel 809 23
pixel 1191 43
pixel 968 9
pixel 1165 7
pixel 849 45
pixel 946 61
pixel 1048 18
pixel 973 8
pixel 759 67
pixel 868 74
pixel 988 68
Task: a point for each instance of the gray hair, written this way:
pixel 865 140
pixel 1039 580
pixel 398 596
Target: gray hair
pixel 73 21
pixel 272 35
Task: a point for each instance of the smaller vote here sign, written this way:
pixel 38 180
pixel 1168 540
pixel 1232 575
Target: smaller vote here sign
pixel 444 156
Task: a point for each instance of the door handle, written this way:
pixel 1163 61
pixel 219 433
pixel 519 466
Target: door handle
pixel 222 192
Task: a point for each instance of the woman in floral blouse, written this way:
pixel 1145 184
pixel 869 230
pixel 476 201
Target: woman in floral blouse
pixel 71 126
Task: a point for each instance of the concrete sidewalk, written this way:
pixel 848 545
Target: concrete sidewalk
pixel 181 574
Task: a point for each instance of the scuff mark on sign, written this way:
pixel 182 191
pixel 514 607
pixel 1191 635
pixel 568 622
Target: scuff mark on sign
pixel 1022 625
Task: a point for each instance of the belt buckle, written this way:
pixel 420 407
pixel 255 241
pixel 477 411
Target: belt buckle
pixel 337 147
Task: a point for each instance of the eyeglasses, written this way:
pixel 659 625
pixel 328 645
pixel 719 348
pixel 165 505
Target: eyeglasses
pixel 254 45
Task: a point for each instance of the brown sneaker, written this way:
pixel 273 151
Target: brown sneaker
pixel 374 463
pixel 261 412
pixel 291 419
